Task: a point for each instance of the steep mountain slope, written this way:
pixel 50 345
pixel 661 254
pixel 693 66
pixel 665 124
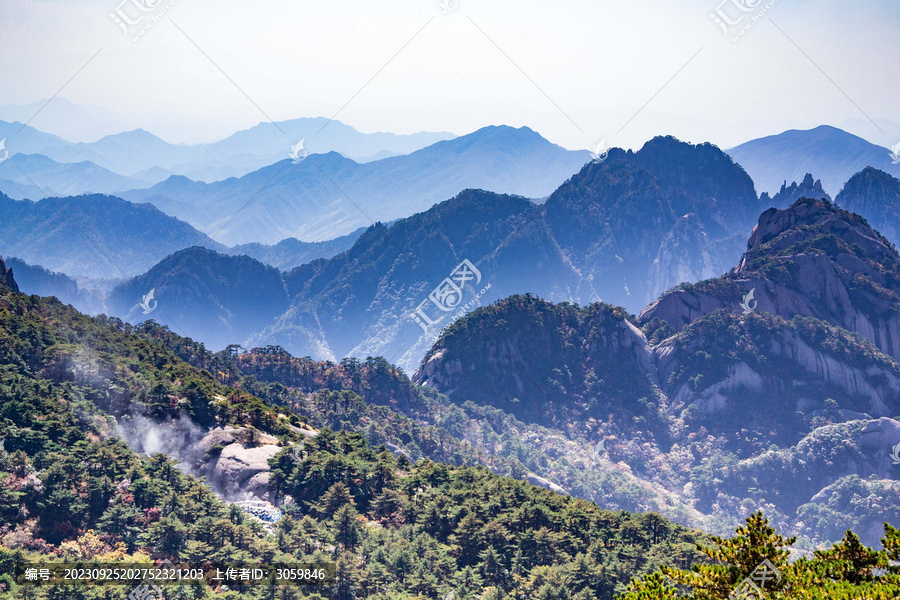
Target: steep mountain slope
pixel 327 195
pixel 57 179
pixel 813 260
pixel 828 152
pixel 223 297
pixel 876 196
pixel 33 279
pixel 92 236
pixel 131 152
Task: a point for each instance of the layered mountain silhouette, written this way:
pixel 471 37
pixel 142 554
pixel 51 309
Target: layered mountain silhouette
pixel 34 176
pixel 291 252
pixel 134 153
pixel 33 279
pixel 622 231
pixel 104 237
pixel 827 152
pixel 327 195
pixel 238 295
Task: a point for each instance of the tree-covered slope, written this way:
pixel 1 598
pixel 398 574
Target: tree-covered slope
pixel 74 386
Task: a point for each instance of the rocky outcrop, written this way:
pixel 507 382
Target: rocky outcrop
pixel 6 277
pixel 811 260
pixel 238 471
pixel 545 483
pixel 878 440
pixel 791 193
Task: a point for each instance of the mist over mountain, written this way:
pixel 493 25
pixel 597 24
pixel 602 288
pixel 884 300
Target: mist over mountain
pixel 35 176
pixel 25 139
pixel 34 279
pixel 92 236
pixel 291 252
pixel 827 152
pixel 133 153
pixel 328 195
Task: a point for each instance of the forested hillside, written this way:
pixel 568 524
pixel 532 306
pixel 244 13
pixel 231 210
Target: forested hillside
pixel 72 489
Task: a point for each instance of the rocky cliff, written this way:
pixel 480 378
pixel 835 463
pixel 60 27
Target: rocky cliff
pixel 811 260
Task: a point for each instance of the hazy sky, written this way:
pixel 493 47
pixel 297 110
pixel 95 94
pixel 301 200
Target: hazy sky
pixel 577 71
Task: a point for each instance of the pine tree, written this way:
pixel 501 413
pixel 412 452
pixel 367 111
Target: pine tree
pixel 337 496
pixel 346 527
pixel 736 558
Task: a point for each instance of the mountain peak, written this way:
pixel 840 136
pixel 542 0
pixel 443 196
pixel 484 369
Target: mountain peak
pixel 803 212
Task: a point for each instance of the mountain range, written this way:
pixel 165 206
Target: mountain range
pixel 327 195
pixel 623 230
pixel 34 176
pixel 144 156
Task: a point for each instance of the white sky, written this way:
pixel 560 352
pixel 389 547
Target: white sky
pixel 598 60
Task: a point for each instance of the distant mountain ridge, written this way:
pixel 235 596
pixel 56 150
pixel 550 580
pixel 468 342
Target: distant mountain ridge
pixel 34 176
pixel 134 152
pixel 92 236
pixel 328 195
pixel 826 152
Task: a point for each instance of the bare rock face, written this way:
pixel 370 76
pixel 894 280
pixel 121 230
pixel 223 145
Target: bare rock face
pixel 545 483
pixel 878 440
pixel 846 280
pixel 686 254
pixel 245 470
pixel 238 471
pixel 811 369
